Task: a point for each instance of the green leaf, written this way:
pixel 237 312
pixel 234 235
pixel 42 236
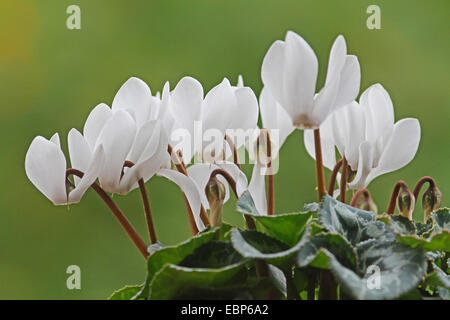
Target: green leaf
pixel 438 278
pixel 317 252
pixel 287 227
pixel 214 268
pixel 256 245
pixel 173 255
pixel 401 269
pixel 348 221
pixel 436 242
pixel 402 225
pixel 126 293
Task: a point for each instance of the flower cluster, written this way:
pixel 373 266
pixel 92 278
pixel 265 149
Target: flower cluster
pixel 142 135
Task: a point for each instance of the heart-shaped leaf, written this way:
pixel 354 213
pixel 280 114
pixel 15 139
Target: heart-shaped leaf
pixel 316 253
pixel 402 225
pixel 215 268
pixel 386 270
pixel 256 245
pixel 172 255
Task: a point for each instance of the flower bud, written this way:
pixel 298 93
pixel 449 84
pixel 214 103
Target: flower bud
pixel 215 193
pixel 431 201
pixel 406 203
pixel 367 204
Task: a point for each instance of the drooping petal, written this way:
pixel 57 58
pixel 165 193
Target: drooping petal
pixel 134 94
pixel 116 137
pixel 95 123
pixel 200 173
pixel 238 176
pixel 79 151
pixel 400 149
pixel 257 189
pixel 45 166
pixel 190 190
pixel 89 177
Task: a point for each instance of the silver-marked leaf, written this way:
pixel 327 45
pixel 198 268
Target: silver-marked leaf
pixel 246 205
pixel 341 218
pixel 386 270
pixel 402 225
pixel 442 219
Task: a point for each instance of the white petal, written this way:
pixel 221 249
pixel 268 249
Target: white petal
pixel 257 189
pixel 79 151
pixel 45 166
pixel 190 190
pixel 135 95
pixel 365 166
pixel 272 71
pixel 240 82
pixel 324 103
pixel 400 149
pixel 238 176
pixel 220 107
pixel 274 117
pixel 89 177
pixel 146 139
pixel 116 137
pixel 55 140
pixel 95 123
pixel 349 84
pixel 379 111
pixel 326 142
pixel 247 110
pixel 201 173
pixel 300 76
pixel 186 101
pixel 336 60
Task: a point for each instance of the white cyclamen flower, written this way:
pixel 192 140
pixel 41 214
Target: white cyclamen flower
pixel 289 73
pixel 45 166
pixel 366 135
pixel 225 107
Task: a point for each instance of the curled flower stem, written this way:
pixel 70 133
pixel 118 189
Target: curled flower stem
pixel 232 183
pixel 362 191
pixel 230 142
pixel 182 169
pixel 333 176
pixel 343 182
pixel 399 185
pixel 126 225
pixel 319 165
pixel 421 182
pixel 270 177
pixel 146 203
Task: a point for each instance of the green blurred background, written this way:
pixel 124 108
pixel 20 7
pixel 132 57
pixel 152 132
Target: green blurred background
pixel 51 77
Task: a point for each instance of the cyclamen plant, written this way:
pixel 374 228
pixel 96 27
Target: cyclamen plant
pixel 327 250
